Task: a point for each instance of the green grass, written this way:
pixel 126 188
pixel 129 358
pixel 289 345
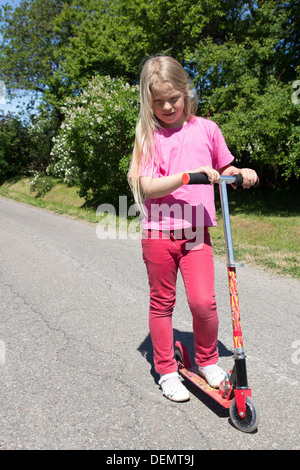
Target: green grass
pixel 60 199
pixel 265 229
pixel 265 226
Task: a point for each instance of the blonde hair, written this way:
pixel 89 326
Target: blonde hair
pixel 156 70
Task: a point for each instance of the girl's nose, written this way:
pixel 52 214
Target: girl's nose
pixel 167 106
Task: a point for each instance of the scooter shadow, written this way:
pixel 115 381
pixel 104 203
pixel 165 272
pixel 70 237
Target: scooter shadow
pixel 187 338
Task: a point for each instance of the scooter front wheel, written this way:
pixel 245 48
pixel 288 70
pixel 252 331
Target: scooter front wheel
pixel 251 419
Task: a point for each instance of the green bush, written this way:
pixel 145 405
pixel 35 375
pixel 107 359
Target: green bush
pixel 96 138
pixel 43 127
pixel 14 155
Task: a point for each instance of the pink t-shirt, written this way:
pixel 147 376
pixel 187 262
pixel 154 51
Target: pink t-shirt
pixel 198 143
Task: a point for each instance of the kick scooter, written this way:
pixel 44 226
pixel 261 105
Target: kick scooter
pixel 234 392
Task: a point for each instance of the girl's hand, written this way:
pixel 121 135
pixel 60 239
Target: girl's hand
pixel 249 177
pixel 212 175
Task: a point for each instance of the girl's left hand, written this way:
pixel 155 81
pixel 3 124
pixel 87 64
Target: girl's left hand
pixel 249 177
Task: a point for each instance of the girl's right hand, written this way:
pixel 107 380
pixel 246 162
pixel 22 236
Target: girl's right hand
pixel 212 175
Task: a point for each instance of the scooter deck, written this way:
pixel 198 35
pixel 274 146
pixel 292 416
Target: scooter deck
pixel 192 374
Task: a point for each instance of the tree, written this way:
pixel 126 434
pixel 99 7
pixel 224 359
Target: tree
pixel 29 58
pixel 244 85
pixel 112 37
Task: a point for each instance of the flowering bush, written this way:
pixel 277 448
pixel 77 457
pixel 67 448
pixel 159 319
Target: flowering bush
pixel 62 165
pixel 95 141
pixel 40 184
pixel 41 127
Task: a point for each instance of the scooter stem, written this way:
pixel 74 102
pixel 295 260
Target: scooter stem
pixel 224 180
pixel 239 376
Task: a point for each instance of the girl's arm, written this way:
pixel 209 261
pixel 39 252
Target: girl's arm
pixel 249 176
pixel 159 187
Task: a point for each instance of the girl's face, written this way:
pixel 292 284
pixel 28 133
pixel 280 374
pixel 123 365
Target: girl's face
pixel 168 105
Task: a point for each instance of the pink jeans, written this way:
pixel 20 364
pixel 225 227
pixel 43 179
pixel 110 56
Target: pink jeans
pixel 163 257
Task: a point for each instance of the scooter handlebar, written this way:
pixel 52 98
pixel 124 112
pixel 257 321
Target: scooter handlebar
pixel 201 178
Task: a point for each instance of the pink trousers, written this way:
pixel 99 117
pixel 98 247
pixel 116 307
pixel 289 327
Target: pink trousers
pixel 163 257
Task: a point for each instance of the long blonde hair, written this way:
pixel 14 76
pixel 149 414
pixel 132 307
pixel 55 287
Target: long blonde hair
pixel 156 70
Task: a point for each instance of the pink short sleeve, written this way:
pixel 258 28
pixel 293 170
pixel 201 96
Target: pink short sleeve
pixel 152 166
pixel 221 155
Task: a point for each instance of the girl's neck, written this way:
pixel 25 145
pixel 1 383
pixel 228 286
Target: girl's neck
pixel 176 126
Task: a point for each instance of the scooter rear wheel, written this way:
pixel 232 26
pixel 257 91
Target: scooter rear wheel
pixel 182 354
pixel 251 419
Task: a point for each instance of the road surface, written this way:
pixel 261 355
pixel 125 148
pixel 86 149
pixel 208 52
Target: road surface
pixel 75 353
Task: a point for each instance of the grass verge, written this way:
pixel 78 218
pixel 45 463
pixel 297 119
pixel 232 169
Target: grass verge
pixel 60 199
pixel 265 227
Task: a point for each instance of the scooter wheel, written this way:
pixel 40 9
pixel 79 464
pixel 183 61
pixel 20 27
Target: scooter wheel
pixel 182 355
pixel 251 419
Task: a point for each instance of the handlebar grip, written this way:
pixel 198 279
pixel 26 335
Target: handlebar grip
pixel 195 178
pixel 238 180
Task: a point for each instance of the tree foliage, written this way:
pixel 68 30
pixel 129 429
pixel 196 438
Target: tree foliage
pixel 245 86
pixel 242 55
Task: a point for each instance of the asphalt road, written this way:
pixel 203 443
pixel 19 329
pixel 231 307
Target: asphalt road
pixel 75 354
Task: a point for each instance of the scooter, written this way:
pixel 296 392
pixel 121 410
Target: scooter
pixel 233 392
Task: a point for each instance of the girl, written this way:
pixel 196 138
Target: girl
pixel 170 141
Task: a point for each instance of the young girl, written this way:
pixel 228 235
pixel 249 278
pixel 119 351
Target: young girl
pixel 170 141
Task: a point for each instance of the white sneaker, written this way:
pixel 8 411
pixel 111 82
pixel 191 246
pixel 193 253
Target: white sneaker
pixel 213 374
pixel 173 388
